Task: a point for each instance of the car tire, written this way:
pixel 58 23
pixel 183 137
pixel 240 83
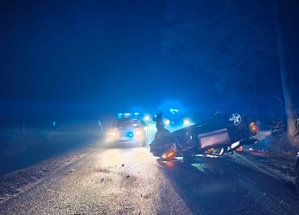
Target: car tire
pixel 236 120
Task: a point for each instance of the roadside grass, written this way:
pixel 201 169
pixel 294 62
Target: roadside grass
pixel 283 146
pixel 21 147
pixel 16 141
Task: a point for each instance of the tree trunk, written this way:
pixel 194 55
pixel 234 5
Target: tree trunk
pixel 290 116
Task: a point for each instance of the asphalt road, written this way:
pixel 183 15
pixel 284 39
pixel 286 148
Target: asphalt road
pixel 129 180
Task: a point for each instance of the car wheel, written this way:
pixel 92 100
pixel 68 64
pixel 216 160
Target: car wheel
pixel 236 119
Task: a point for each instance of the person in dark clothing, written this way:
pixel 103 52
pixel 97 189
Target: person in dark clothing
pixel 159 120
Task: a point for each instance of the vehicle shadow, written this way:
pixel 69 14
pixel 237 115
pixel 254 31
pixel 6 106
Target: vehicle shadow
pixel 221 186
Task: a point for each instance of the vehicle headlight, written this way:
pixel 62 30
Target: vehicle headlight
pixel 113 133
pixel 146 118
pixel 167 122
pixel 186 121
pixel 138 133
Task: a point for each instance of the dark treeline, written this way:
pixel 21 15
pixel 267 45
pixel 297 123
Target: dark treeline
pixel 249 48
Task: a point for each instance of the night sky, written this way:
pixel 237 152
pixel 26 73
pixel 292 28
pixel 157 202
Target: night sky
pixel 106 53
pixel 86 51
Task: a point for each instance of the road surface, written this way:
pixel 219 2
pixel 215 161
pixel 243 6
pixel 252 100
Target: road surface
pixel 129 180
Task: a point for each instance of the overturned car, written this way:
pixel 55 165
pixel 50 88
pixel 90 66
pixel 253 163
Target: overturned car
pixel 214 137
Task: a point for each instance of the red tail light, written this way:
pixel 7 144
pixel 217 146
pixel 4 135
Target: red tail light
pixel 168 155
pixel 253 127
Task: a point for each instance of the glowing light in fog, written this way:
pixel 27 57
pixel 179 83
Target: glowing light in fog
pixel 137 133
pixel 167 122
pixel 146 118
pixel 129 134
pixel 173 111
pixel 113 133
pixel 186 122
